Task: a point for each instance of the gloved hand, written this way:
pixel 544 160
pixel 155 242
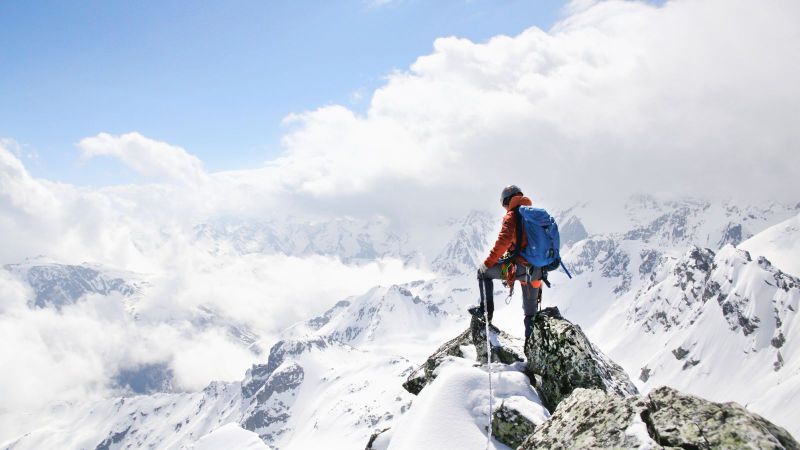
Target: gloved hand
pixel 482 269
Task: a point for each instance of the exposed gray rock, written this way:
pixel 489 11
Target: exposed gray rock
pixel 680 420
pixel 374 440
pixel 506 349
pixel 58 285
pixel 510 427
pixel 604 255
pixel 424 374
pixel 680 353
pixel 668 228
pixel 257 375
pixel 561 359
pixel 113 438
pixel 269 389
pixel 571 231
pixel 590 418
pixel 464 251
pixel 731 235
pixel 644 375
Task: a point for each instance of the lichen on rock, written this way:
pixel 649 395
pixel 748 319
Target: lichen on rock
pixel 590 418
pixel 666 418
pixel 505 349
pixel 680 420
pixel 510 427
pixel 561 358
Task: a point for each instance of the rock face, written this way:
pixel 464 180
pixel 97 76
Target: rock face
pixel 561 358
pixel 505 349
pixel 590 418
pixel 510 427
pixel 680 420
pixel 59 285
pixel 595 403
pixel 268 390
pixel 424 374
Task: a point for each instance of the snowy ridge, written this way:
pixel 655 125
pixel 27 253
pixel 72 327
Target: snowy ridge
pixel 719 325
pixel 56 285
pixel 780 244
pixel 468 246
pixel 349 239
pixel 318 387
pixel 658 287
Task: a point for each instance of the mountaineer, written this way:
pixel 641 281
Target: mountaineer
pixel 526 249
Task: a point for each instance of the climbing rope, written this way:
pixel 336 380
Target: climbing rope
pixel 488 358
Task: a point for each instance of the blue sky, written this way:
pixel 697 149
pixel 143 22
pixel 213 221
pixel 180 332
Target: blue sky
pixel 213 77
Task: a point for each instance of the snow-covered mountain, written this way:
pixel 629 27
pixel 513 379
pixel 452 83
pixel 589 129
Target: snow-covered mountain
pixel 468 246
pixel 658 285
pixel 351 240
pixel 779 243
pixel 335 378
pixel 719 325
pixel 55 285
pixel 676 303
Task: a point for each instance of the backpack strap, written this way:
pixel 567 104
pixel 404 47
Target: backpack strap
pixel 518 230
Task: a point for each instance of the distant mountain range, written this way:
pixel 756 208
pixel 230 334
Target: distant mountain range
pixel 660 286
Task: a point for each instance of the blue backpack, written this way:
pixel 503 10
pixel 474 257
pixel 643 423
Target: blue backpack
pixel 543 239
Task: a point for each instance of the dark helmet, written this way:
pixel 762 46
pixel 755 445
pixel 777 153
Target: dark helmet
pixel 508 192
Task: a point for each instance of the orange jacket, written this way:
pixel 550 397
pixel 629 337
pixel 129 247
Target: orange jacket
pixel 508 233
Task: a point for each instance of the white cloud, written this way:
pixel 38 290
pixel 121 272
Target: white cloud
pixel 146 156
pixel 619 97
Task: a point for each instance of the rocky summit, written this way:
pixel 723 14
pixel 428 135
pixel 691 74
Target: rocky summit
pixel 592 400
pixel 561 358
pixel 666 418
pixel 506 349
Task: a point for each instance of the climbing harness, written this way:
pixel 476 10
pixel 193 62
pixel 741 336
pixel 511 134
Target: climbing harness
pixel 488 357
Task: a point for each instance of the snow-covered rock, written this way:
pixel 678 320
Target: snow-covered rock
pixel 471 345
pixel 229 437
pixel 453 411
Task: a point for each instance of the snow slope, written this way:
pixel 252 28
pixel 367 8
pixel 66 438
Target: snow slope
pixel 452 412
pixel 231 437
pixel 658 286
pixel 780 244
pixel 315 387
pixel 721 325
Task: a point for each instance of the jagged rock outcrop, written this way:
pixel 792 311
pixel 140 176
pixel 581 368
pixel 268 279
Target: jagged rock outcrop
pixel 561 359
pixel 594 402
pixel 666 418
pixel 268 390
pixel 425 373
pixel 511 427
pixel 505 349
pixel 590 418
pixel 378 435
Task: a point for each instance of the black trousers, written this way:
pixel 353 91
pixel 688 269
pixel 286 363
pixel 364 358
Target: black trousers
pixel 530 294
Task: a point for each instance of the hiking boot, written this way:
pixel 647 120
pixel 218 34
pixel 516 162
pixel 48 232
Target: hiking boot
pixel 478 311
